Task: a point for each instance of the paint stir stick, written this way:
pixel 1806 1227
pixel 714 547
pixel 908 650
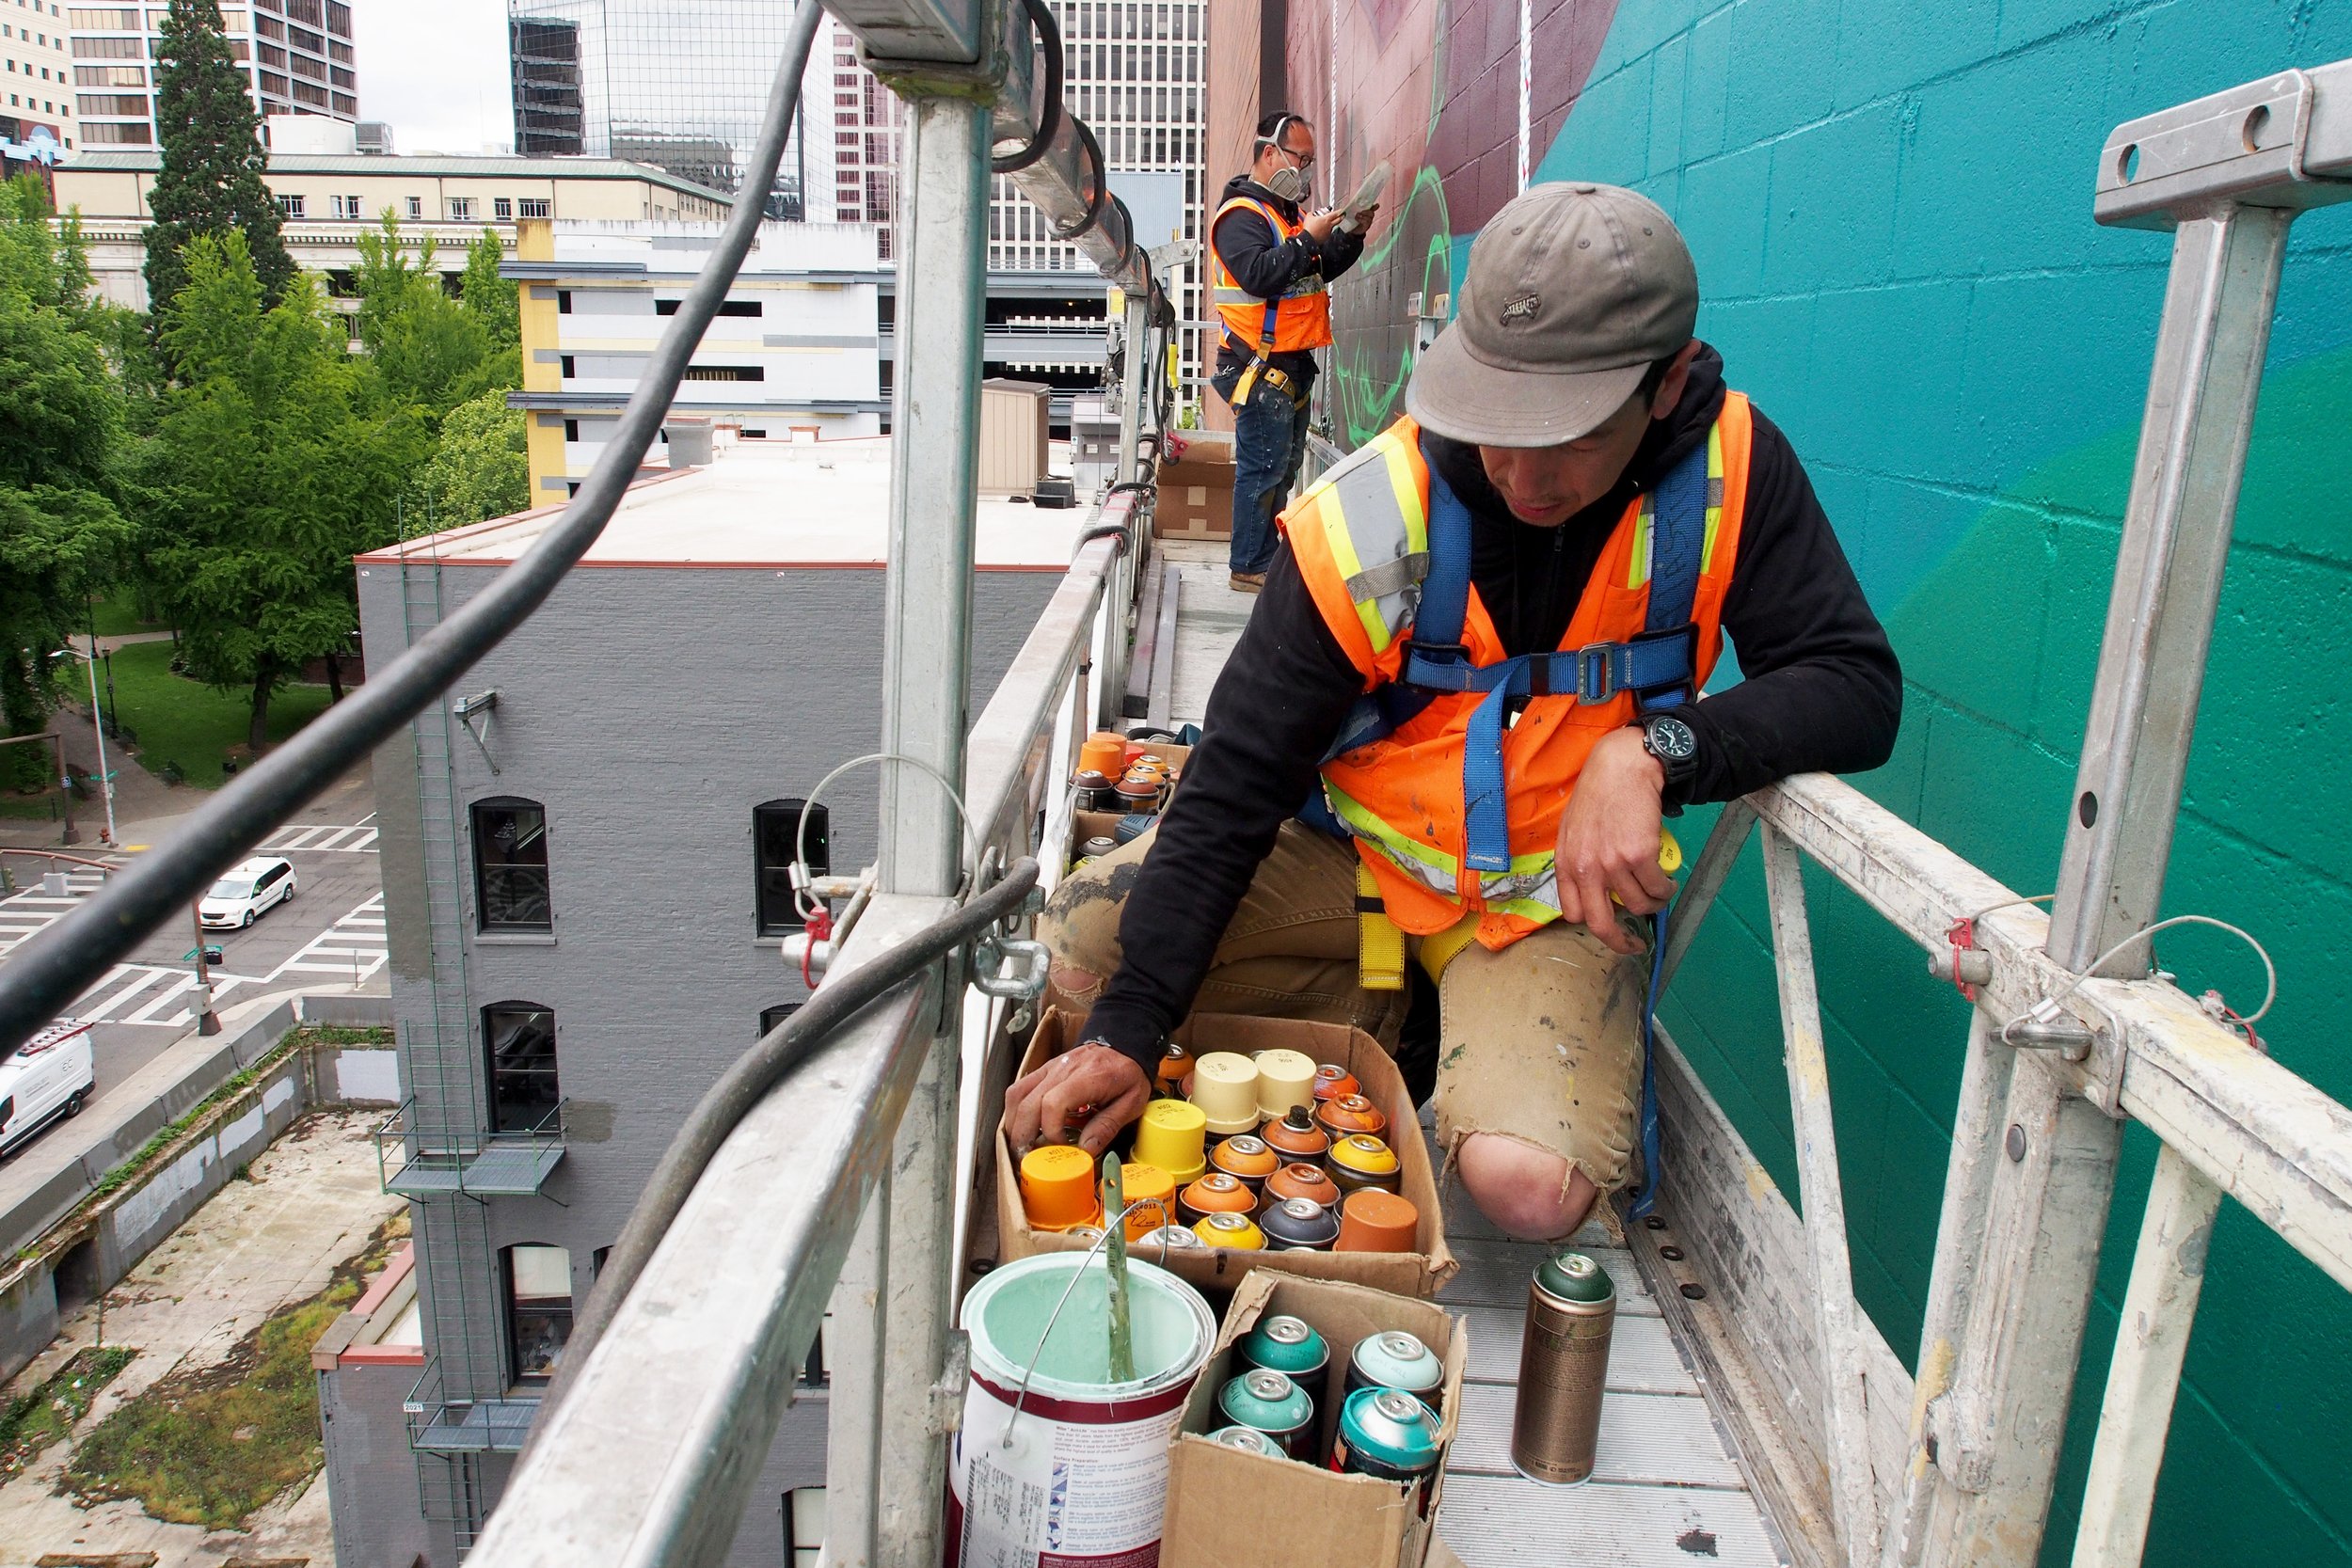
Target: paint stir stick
pixel 1115 1243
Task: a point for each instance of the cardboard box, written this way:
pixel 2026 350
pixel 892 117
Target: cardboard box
pixel 1196 494
pixel 1421 1273
pixel 1226 1507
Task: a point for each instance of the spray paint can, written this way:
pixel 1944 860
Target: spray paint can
pixel 1270 1402
pixel 1249 1440
pixel 1287 1345
pixel 1386 1433
pixel 1564 1366
pixel 1299 1224
pixel 1395 1359
pixel 1239 1232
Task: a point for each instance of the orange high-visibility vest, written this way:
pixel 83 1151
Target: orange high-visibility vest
pixel 1299 318
pixel 1360 539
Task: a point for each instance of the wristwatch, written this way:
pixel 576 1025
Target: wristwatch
pixel 1675 746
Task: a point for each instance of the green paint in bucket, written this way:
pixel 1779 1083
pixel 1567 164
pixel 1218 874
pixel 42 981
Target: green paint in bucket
pixel 1081 1472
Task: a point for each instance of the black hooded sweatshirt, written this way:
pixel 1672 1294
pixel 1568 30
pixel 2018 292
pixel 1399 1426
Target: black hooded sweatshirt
pixel 1265 268
pixel 1821 691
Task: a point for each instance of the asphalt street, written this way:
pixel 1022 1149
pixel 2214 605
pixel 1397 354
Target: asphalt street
pixel 330 933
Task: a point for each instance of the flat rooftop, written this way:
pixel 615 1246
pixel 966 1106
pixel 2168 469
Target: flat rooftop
pixel 814 504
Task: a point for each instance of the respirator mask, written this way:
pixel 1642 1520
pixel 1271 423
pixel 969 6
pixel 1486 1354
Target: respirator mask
pixel 1292 183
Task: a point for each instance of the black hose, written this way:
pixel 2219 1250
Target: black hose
pixel 48 972
pixel 782 1052
pixel 1049 116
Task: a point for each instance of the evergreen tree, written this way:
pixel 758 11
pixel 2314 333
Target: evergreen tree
pixel 273 465
pixel 211 180
pixel 61 533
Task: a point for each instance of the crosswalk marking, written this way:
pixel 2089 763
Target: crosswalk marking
pixel 124 995
pixel 356 838
pixel 27 914
pixel 351 948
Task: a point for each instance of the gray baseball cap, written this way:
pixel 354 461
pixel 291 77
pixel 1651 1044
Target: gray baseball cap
pixel 1573 291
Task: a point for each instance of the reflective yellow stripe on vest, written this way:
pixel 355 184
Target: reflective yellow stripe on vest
pixel 1638 572
pixel 1371 509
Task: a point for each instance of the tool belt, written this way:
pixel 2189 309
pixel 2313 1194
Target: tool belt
pixel 1261 369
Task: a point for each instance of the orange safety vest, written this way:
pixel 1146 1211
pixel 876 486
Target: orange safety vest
pixel 1299 318
pixel 1361 538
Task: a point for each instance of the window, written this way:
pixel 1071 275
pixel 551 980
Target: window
pixel 347 207
pixel 726 306
pixel 531 207
pixel 776 829
pixel 519 1038
pixel 805 1525
pixel 460 208
pixel 564 364
pixel 415 207
pixel 726 373
pixel 771 1018
pixel 290 206
pixel 510 860
pixel 571 430
pixel 538 1308
pixel 502 207
pixel 563 302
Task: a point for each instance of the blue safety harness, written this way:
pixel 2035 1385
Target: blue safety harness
pixel 1658 667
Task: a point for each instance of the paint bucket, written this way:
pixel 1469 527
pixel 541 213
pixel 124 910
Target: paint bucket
pixel 1079 1474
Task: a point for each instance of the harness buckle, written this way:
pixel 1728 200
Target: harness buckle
pixel 1596 672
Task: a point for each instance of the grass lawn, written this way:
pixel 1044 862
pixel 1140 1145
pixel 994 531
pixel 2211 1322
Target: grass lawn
pixel 120 617
pixel 178 719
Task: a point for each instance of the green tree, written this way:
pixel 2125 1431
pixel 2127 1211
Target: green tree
pixel 211 179
pixel 480 469
pixel 488 298
pixel 62 534
pixel 272 467
pixel 427 348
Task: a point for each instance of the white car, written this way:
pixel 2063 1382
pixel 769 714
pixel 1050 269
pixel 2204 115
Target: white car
pixel 246 892
pixel 47 1077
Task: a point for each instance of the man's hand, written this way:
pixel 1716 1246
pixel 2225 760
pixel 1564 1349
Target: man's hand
pixel 1320 224
pixel 1042 1106
pixel 1365 219
pixel 1608 839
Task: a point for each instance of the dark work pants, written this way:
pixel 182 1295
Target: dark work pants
pixel 1269 446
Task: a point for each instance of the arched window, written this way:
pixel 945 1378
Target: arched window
pixel 539 1282
pixel 776 829
pixel 519 1038
pixel 510 865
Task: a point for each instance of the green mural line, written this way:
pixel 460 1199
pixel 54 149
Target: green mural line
pixel 1367 388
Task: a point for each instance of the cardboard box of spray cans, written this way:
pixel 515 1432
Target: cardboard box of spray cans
pixel 1228 1506
pixel 1421 1271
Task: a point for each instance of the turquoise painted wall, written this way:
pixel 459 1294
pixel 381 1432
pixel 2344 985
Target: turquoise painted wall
pixel 1889 203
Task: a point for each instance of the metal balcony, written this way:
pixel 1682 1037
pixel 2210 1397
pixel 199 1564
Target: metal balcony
pixel 437 1424
pixel 503 1164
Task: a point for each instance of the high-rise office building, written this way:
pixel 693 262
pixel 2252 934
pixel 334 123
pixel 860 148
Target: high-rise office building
pixel 296 56
pixel 677 84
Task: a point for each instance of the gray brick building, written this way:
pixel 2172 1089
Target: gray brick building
pixel 581 849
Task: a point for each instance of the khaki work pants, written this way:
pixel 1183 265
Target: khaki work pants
pixel 1540 1042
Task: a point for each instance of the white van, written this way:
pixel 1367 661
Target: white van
pixel 48 1077
pixel 244 891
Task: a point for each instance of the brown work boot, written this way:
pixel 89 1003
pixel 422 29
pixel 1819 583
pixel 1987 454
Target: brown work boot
pixel 1248 583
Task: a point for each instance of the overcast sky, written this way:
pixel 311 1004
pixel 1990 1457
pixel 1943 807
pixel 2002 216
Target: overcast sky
pixel 436 70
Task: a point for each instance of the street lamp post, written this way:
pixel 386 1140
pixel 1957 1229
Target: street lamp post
pixel 97 728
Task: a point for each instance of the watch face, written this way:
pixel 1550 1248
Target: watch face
pixel 1672 739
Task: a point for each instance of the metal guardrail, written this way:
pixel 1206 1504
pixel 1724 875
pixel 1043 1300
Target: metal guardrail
pixel 651 1456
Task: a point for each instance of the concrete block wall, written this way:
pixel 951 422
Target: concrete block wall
pixel 1890 210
